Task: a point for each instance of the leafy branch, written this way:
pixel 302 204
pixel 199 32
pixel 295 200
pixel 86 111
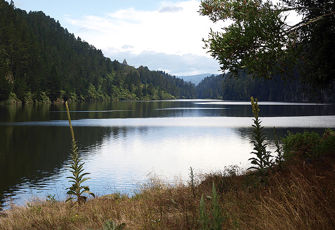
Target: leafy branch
pixel 256 37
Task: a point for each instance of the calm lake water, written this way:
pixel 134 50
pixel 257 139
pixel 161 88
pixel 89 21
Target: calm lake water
pixel 123 144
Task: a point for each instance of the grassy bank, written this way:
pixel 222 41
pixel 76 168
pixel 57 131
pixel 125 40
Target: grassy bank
pixel 300 195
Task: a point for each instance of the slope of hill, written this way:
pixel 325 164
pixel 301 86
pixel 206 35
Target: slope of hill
pixel 42 61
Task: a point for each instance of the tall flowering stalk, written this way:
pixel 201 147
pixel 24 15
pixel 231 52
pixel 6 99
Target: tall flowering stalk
pixel 78 175
pixel 262 159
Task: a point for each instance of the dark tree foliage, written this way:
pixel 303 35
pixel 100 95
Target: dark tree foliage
pixel 39 58
pixel 211 87
pixel 254 37
pixel 242 87
pixel 258 39
pixel 317 35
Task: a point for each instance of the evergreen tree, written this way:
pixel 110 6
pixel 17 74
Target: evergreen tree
pixel 43 58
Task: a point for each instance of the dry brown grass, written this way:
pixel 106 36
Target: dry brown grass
pixel 299 197
pixel 158 206
pixel 303 198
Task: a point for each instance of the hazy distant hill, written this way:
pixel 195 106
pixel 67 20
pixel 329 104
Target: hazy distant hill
pixel 195 79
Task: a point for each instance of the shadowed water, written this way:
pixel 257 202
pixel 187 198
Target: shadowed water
pixel 125 143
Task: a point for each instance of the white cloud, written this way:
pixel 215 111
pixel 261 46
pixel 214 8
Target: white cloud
pixel 168 38
pixel 170 9
pixel 173 28
pixel 179 65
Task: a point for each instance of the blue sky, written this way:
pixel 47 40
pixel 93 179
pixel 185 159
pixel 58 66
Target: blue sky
pixel 163 35
pixel 77 8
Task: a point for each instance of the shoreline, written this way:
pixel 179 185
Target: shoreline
pixel 244 201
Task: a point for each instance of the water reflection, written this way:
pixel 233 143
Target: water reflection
pixel 259 103
pixel 32 154
pixel 172 108
pixel 124 142
pixel 227 122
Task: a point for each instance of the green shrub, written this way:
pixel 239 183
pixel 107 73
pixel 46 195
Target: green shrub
pixel 301 144
pixel 28 98
pixel 42 97
pixel 13 99
pixel 327 143
pixel 308 145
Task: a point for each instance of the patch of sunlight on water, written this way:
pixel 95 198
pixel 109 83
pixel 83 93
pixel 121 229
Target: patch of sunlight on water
pixel 228 122
pixel 167 151
pixel 259 103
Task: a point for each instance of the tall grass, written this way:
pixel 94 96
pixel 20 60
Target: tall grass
pixel 299 197
pixel 214 219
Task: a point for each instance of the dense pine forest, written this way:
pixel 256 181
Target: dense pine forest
pixel 40 61
pixel 277 89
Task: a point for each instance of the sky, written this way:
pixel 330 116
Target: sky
pixel 163 35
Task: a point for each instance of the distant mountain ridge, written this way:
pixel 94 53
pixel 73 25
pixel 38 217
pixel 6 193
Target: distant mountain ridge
pixel 195 79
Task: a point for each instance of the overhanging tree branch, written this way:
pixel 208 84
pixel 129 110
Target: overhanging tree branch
pixel 260 41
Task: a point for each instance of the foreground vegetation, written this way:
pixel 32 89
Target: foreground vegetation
pixel 297 193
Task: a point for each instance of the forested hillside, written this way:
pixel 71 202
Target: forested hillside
pixel 211 87
pixel 277 89
pixel 42 61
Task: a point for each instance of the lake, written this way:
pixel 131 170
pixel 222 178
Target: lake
pixel 124 144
